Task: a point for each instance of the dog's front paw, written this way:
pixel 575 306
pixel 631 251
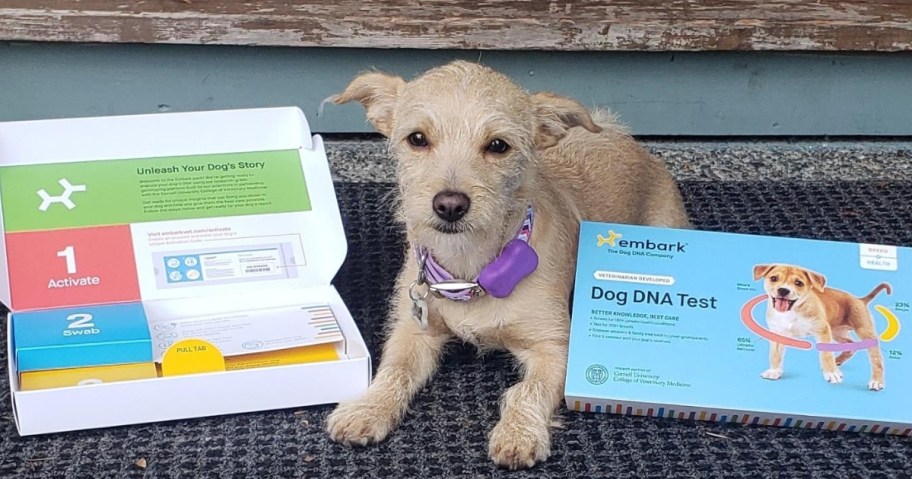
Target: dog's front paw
pixel 360 423
pixel 771 373
pixel 833 377
pixel 875 385
pixel 519 447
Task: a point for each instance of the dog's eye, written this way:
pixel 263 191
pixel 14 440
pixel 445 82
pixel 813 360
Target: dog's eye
pixel 799 283
pixel 418 140
pixel 774 278
pixel 498 146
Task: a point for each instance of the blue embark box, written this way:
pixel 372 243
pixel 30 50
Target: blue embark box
pixel 740 328
pixel 81 337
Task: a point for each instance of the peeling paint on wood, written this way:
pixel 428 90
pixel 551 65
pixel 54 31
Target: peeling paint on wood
pixel 647 25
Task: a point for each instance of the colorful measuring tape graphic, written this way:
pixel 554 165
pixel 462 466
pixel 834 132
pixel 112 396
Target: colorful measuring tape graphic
pixel 747 317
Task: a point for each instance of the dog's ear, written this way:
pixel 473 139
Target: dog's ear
pixel 760 270
pixel 378 93
pixel 816 280
pixel 557 114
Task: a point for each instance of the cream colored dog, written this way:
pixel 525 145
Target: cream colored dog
pixel 474 151
pixel 801 305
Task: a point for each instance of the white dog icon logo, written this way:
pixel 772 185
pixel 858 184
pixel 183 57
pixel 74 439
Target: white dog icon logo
pixel 68 189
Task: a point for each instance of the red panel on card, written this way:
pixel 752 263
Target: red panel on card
pixel 71 267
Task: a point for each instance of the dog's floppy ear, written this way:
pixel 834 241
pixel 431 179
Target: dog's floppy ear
pixel 378 93
pixel 761 269
pixel 557 114
pixel 816 280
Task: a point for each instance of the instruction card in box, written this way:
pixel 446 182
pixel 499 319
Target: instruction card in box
pixel 143 254
pixel 741 328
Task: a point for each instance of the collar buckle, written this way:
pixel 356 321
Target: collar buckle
pixel 456 286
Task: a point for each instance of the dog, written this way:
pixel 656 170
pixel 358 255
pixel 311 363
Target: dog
pixel 801 305
pixel 478 158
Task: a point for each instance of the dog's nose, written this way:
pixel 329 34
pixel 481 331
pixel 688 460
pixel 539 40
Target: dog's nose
pixel 451 205
pixel 783 291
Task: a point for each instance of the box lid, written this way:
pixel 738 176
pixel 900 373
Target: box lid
pixel 81 337
pixel 242 199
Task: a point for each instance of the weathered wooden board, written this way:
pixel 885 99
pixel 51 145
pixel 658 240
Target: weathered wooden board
pixel 645 25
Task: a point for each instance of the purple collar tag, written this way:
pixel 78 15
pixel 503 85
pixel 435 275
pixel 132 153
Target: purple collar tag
pixel 499 278
pixel 516 261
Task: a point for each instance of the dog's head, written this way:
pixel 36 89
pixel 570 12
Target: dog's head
pixel 464 137
pixel 787 284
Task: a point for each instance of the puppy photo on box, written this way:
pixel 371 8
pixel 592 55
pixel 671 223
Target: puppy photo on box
pixel 493 182
pixel 802 304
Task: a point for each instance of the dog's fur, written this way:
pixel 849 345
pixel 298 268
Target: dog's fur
pixel 596 172
pixel 809 308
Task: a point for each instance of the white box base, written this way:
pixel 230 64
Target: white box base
pixel 198 395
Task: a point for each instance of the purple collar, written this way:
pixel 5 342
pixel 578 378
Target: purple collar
pixel 499 278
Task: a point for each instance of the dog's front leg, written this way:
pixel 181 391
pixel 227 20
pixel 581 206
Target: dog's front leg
pixel 410 357
pixel 522 438
pixel 831 372
pixel 777 352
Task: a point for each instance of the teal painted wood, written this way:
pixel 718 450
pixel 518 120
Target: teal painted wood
pixel 706 94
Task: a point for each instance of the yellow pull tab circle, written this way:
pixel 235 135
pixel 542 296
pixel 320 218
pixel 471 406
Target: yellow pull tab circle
pixel 192 356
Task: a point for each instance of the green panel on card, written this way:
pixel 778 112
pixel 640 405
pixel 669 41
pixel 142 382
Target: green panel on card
pixel 97 193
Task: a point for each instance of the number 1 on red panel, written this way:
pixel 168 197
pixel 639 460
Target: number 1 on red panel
pixel 70 254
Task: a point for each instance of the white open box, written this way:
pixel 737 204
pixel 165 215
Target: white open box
pixel 199 395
